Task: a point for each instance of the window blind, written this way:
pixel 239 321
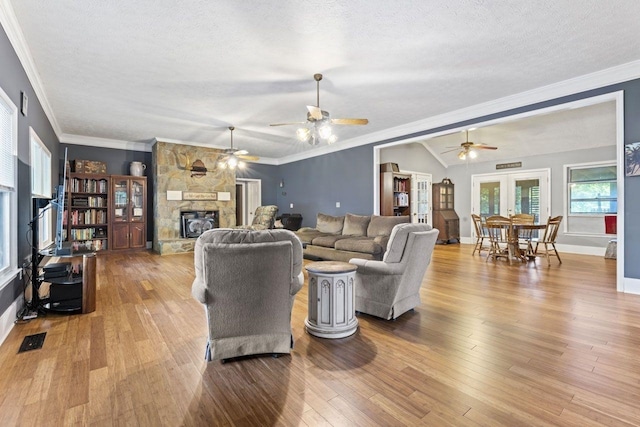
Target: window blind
pixel 7 148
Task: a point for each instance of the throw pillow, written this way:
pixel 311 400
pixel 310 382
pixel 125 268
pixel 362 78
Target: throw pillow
pixel 329 224
pixel 356 225
pixel 382 225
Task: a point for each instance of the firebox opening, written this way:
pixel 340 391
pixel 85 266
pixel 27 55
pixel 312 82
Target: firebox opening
pixel 194 223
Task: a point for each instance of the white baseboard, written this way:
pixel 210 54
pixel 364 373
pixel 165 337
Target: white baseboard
pixel 7 320
pixel 631 286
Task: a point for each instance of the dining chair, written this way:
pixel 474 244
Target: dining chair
pixel 549 240
pixel 498 229
pixel 522 218
pixel 523 235
pixel 481 234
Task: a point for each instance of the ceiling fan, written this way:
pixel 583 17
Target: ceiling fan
pixel 318 125
pixel 232 158
pixel 467 148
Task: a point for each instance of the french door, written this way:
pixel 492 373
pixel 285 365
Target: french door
pixel 512 193
pixel 421 198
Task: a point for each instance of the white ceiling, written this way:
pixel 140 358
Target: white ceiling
pixel 185 70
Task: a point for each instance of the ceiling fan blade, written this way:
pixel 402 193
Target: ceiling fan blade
pixel 349 121
pixel 250 158
pixel 287 124
pixel 449 151
pixel 315 112
pixel 240 152
pixel 484 147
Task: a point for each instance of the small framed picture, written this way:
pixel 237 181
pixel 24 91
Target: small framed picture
pixel 24 103
pixel 632 159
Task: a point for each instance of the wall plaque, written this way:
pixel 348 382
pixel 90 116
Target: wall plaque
pixel 509 165
pixel 189 195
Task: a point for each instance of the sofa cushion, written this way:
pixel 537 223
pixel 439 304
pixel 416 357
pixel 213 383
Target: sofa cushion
pixel 328 241
pixel 365 245
pixel 382 225
pixel 306 234
pixel 355 225
pixel 329 224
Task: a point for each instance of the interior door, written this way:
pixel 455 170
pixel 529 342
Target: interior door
pixel 421 199
pixel 512 193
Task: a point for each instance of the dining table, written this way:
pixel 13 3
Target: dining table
pixel 520 233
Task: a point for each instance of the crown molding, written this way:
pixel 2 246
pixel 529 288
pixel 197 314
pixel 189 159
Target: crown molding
pixel 261 161
pixel 10 24
pixel 92 141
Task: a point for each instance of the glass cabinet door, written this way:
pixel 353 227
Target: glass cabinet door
pixel 137 201
pixel 120 201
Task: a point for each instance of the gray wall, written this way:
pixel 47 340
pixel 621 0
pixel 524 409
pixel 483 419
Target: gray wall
pixel 270 178
pixel 13 80
pixel 315 185
pixel 415 158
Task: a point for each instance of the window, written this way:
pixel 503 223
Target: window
pixel 41 185
pixel 8 198
pixel 593 190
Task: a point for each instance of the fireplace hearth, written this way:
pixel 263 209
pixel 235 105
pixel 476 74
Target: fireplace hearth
pixel 194 223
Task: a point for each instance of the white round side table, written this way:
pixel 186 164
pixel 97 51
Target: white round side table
pixel 332 311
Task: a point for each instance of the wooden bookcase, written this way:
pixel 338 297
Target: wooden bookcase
pixel 87 212
pixel 395 194
pixel 445 218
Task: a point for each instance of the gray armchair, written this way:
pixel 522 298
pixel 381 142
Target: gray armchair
pixel 391 287
pixel 247 281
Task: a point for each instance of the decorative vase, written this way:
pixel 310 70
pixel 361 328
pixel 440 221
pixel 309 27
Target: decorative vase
pixel 137 168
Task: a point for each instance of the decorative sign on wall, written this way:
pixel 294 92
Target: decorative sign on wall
pixel 509 165
pixel 189 195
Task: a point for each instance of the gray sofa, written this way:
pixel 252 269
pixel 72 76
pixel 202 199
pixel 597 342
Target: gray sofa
pixel 340 238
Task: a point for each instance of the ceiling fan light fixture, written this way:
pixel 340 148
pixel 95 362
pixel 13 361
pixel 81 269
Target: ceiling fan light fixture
pixel 303 134
pixel 324 131
pixel 232 162
pixel 333 138
pixel 462 155
pixel 473 154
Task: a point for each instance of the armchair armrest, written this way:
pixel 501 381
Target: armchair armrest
pixel 377 267
pixel 199 291
pixel 296 284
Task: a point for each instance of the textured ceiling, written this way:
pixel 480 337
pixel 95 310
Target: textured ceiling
pixel 185 70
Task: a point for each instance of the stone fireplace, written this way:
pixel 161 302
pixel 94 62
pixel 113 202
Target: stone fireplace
pixel 179 188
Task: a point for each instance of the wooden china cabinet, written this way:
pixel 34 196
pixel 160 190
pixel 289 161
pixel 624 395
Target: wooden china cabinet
pixel 128 212
pixel 445 218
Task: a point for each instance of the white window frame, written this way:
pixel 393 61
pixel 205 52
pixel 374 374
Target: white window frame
pixel 567 202
pixel 41 186
pixel 9 201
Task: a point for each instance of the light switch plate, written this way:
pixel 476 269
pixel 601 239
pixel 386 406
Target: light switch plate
pixel 337 204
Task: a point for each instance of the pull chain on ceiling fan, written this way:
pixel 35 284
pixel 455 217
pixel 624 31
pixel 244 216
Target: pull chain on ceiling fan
pixel 317 128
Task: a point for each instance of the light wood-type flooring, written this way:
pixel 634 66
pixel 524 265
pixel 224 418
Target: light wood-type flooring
pixel 491 344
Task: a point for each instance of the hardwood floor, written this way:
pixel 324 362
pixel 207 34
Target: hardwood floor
pixel 491 344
